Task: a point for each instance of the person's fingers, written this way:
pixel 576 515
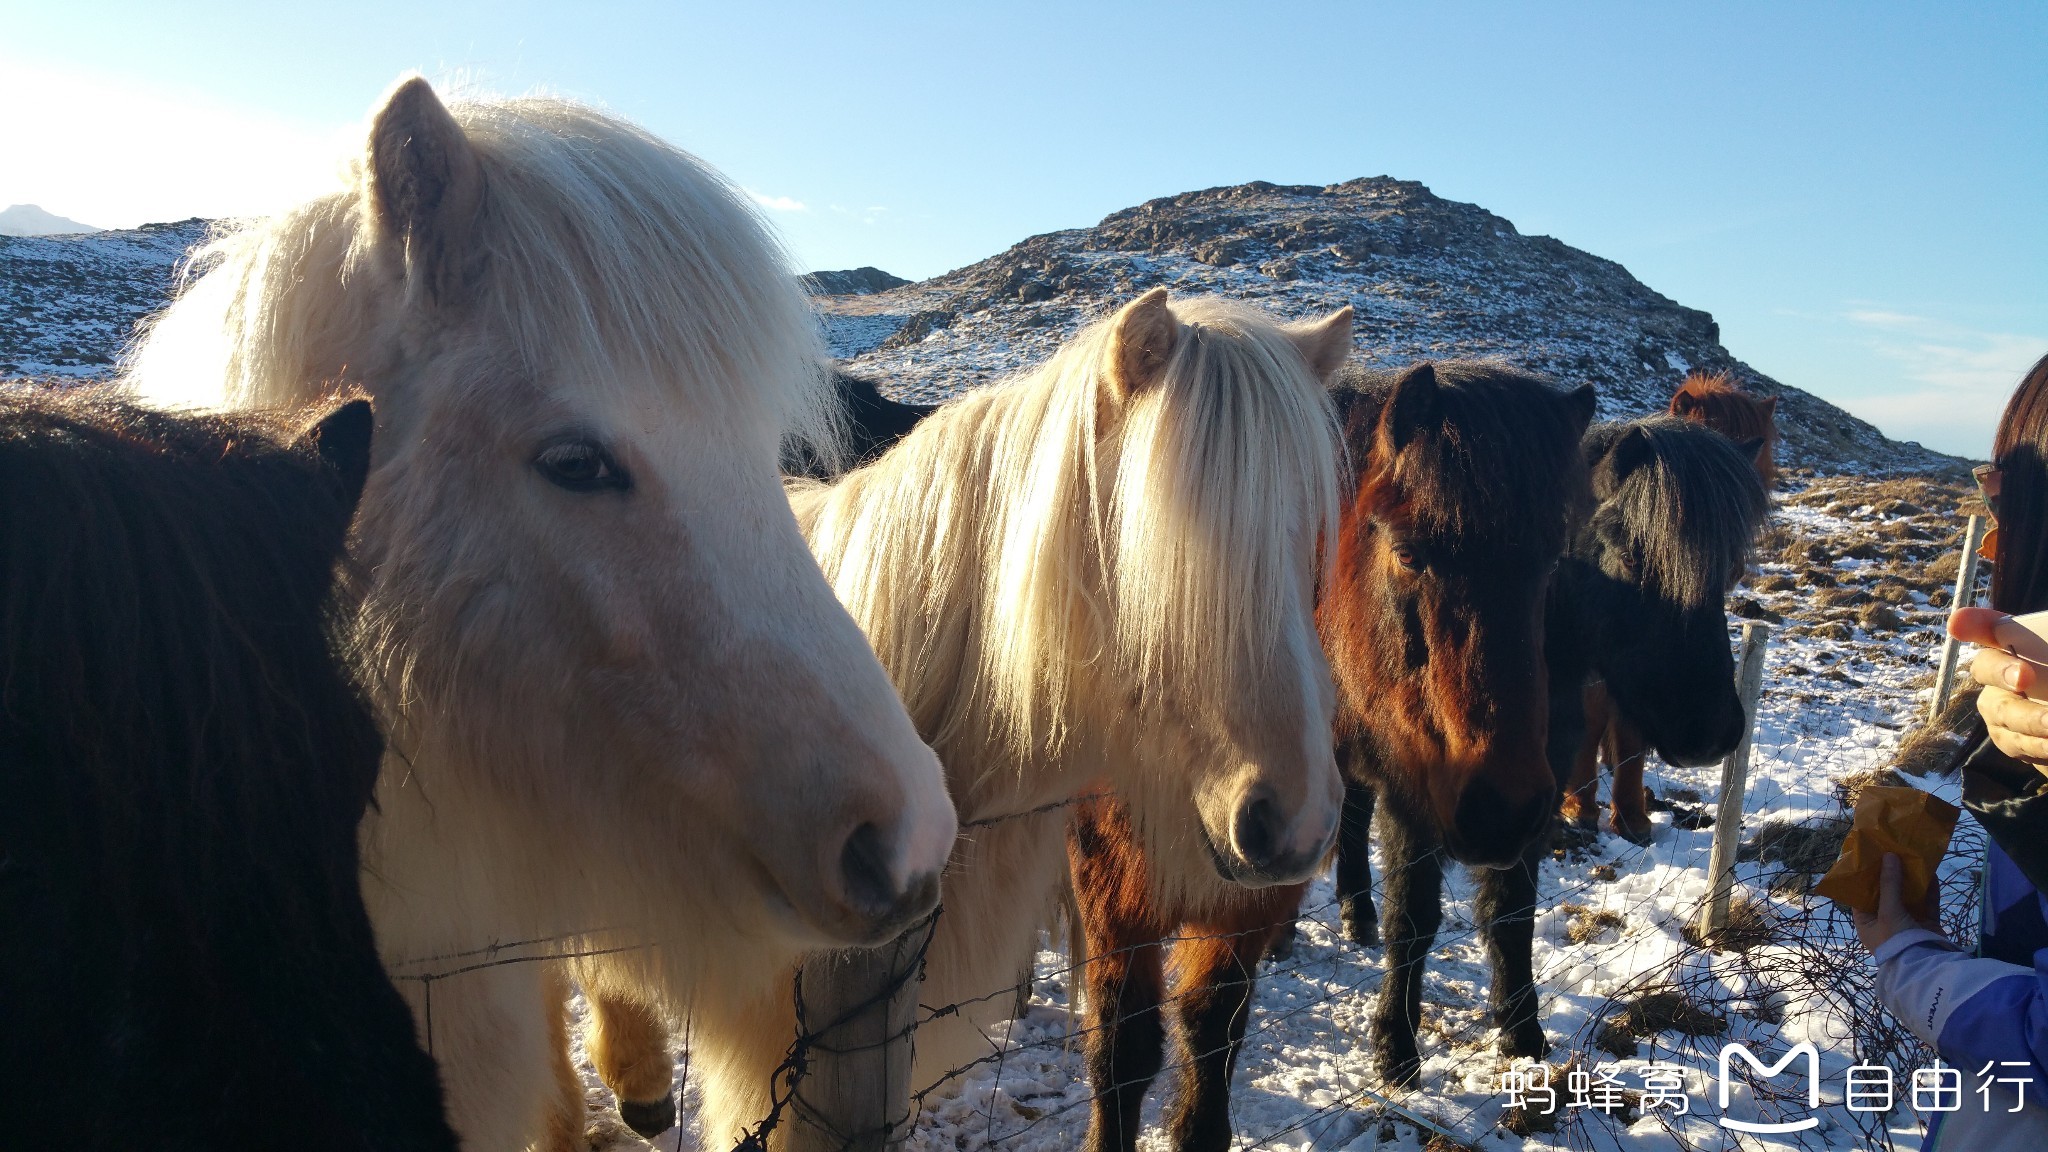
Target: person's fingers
pixel 1888 879
pixel 2003 708
pixel 1976 625
pixel 1997 669
pixel 2027 749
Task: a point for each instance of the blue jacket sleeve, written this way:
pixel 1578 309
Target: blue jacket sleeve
pixel 1970 1010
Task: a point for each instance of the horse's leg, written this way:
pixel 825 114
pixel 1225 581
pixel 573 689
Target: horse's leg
pixel 565 1123
pixel 491 1034
pixel 1582 791
pixel 1628 818
pixel 1354 861
pixel 1414 901
pixel 1125 1036
pixel 1507 907
pixel 1215 967
pixel 629 1047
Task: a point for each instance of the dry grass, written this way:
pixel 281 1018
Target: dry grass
pixel 1880 617
pixel 1798 845
pixel 1589 925
pixel 1653 1012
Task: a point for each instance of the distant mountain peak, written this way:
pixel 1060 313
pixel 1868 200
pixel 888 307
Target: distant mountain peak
pixel 31 220
pixel 862 281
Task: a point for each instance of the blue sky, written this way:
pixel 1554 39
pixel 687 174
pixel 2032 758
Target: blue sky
pixel 1855 191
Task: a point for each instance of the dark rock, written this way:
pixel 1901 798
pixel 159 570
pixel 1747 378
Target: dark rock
pixel 863 281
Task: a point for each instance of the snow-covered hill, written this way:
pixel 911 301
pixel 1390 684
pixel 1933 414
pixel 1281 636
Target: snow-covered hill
pixel 1429 278
pixel 68 303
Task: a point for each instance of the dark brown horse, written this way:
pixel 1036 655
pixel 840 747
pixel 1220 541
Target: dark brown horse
pixel 1636 602
pixel 1717 402
pixel 1468 478
pixel 185 961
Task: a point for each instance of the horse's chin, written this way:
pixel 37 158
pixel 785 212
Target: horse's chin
pixel 1235 871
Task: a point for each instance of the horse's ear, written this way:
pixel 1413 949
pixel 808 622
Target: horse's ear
pixel 1770 406
pixel 426 188
pixel 1752 449
pixel 343 440
pixel 1684 403
pixel 1579 405
pixel 1411 404
pixel 1629 451
pixel 1324 343
pixel 1141 340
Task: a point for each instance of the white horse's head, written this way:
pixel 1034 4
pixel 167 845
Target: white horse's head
pixel 1217 446
pixel 1110 564
pixel 607 654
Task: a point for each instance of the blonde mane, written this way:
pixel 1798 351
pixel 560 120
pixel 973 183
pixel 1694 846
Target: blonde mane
pixel 605 253
pixel 1057 528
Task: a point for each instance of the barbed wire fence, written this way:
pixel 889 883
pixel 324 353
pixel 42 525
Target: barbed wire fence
pixel 1799 949
pixel 1795 953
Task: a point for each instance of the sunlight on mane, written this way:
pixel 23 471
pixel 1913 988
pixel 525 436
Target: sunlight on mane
pixel 1161 554
pixel 606 255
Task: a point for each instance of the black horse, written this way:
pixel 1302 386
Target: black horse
pixel 873 424
pixel 1636 601
pixel 185 961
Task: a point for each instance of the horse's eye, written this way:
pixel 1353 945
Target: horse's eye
pixel 581 466
pixel 1408 558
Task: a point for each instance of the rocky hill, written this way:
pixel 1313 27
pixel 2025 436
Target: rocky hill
pixel 68 303
pixel 1429 277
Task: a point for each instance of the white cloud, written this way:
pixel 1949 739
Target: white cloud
pixel 778 203
pixel 1959 377
pixel 869 215
pixel 116 153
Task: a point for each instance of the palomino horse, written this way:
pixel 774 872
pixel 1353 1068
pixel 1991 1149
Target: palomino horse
pixel 1637 601
pixel 1099 574
pixel 1467 477
pixel 1715 401
pixel 625 709
pixel 184 760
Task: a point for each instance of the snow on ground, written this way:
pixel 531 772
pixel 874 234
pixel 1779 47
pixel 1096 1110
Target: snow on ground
pixel 1843 683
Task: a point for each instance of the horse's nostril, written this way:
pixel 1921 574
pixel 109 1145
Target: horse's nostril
pixel 1257 831
pixel 864 867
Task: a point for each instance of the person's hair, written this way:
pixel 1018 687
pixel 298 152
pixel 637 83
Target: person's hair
pixel 2019 572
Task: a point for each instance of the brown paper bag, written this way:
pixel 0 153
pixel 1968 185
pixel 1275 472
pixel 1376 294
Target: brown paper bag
pixel 1906 822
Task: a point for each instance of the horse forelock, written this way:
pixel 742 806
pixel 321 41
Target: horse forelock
pixel 609 260
pixel 1693 507
pixel 1498 465
pixel 1226 474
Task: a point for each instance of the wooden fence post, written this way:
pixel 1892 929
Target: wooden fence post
pixel 1965 596
pixel 1749 683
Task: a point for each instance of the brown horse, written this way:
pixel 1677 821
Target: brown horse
pixel 1468 477
pixel 1715 400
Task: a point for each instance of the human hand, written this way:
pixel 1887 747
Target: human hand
pixel 2016 723
pixel 1892 916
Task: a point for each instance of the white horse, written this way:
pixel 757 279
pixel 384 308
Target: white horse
pixel 1099 575
pixel 626 709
